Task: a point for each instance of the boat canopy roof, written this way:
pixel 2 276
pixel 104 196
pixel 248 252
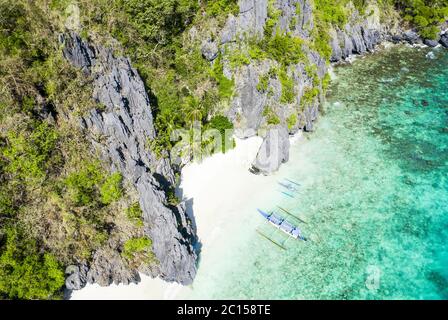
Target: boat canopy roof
pixel 276 219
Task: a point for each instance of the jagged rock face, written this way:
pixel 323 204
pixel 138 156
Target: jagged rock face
pixel 209 50
pixel 79 54
pixel 309 116
pixel 252 17
pixel 121 133
pixel 358 36
pixel 273 151
pixel 444 40
pixel 250 21
pixel 411 36
pixel 249 103
pixel 107 267
pixel 431 43
pixel 76 277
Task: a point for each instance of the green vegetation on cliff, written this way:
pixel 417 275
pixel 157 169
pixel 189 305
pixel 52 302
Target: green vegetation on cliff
pixel 24 272
pixel 426 15
pixel 271 117
pixel 223 125
pixel 138 251
pixel 58 204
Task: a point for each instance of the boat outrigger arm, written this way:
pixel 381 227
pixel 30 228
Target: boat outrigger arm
pixel 282 224
pixel 269 239
pixel 290 214
pixel 296 183
pixel 289 187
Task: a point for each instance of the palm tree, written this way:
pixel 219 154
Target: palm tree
pixel 192 108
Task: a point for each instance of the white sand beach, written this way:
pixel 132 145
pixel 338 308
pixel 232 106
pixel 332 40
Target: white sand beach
pixel 215 190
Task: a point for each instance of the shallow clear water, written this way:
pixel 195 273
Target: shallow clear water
pixel 374 191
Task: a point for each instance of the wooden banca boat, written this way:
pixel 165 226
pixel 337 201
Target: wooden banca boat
pixel 283 225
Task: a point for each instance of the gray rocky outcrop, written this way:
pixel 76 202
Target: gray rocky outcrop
pixel 358 36
pixel 247 110
pixel 79 53
pixel 250 21
pixel 121 130
pixel 431 43
pixel 310 115
pixel 107 266
pixel 209 50
pixel 273 151
pixel 76 276
pixel 411 36
pixel 251 104
pixel 252 17
pixel 396 38
pixel 444 40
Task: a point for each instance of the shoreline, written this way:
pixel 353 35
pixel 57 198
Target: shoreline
pixel 206 188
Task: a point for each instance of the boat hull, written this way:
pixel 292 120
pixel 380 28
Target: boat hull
pixel 281 223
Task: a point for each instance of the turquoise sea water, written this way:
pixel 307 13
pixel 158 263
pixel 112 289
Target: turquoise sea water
pixel 374 193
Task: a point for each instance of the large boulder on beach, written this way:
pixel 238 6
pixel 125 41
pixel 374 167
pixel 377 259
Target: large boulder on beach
pixel 273 151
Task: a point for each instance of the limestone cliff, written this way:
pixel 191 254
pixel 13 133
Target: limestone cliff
pixel 360 34
pixel 248 109
pixel 121 131
pixel 248 106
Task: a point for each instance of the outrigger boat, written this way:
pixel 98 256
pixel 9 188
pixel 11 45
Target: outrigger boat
pixel 289 185
pixel 283 225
